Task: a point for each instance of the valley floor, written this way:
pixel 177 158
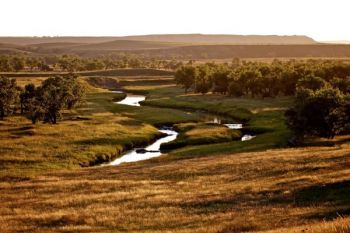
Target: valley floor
pixel 231 186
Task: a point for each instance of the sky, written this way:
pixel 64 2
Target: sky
pixel 323 20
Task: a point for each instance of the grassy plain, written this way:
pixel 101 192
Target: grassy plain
pixel 228 186
pixel 289 190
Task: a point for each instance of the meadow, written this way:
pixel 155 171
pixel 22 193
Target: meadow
pixel 289 190
pixel 50 180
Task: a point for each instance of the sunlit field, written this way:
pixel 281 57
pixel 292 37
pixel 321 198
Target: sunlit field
pixel 208 181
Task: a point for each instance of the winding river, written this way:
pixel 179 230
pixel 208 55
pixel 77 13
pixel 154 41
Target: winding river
pixel 150 151
pixel 132 100
pixel 153 150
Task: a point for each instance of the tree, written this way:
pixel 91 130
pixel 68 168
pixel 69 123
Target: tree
pixel 220 80
pixel 54 95
pixel 203 81
pixel 75 92
pixel 69 63
pixel 288 82
pixel 9 92
pixel 312 82
pixel 5 64
pixel 17 63
pixel 343 84
pixel 318 113
pixel 26 97
pixel 32 63
pixel 185 77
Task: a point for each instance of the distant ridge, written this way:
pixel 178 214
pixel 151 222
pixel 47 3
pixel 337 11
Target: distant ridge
pixel 174 38
pixel 177 46
pixel 225 39
pixel 336 42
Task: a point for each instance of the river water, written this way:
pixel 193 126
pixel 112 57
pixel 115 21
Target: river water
pixel 132 100
pixel 148 152
pixel 153 150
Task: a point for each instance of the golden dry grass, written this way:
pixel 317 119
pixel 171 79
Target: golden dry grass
pixel 278 191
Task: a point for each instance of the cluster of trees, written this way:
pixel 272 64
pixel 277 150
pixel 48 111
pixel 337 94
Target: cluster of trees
pixel 75 63
pixel 321 89
pixel 44 102
pixel 322 111
pixel 19 63
pixel 258 79
pixel 72 63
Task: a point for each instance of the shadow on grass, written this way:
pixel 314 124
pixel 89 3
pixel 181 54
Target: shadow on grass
pixel 98 141
pixel 131 122
pixel 334 196
pixel 335 193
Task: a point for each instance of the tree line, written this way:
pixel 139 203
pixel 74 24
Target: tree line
pixel 73 63
pixel 44 102
pixel 257 79
pixel 321 89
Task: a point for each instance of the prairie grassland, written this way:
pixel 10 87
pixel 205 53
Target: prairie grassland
pixel 277 190
pixel 198 188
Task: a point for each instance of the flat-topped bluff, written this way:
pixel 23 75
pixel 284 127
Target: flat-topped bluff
pixel 177 38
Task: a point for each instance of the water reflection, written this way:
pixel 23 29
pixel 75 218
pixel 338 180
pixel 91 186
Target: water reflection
pixel 148 152
pixel 132 100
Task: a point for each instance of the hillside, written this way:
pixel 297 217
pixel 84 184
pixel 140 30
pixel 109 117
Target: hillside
pixel 226 39
pixel 192 46
pixel 176 38
pixel 126 45
pixel 282 190
pixel 63 39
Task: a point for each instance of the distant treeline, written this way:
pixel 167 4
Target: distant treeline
pixel 321 88
pixel 245 51
pixel 258 79
pixel 74 63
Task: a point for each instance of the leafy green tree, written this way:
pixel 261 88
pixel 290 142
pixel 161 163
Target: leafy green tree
pixel 185 77
pixel 343 84
pixel 32 62
pixel 221 80
pixel 69 63
pixel 203 81
pixel 75 93
pixel 27 96
pixel 17 63
pixel 288 81
pixel 9 93
pixel 5 65
pixel 318 113
pixel 54 95
pixel 312 82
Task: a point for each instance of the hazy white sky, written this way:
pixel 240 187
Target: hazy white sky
pixel 320 19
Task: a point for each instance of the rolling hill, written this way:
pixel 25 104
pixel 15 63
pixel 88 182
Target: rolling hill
pixel 226 39
pixel 182 46
pixel 175 38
